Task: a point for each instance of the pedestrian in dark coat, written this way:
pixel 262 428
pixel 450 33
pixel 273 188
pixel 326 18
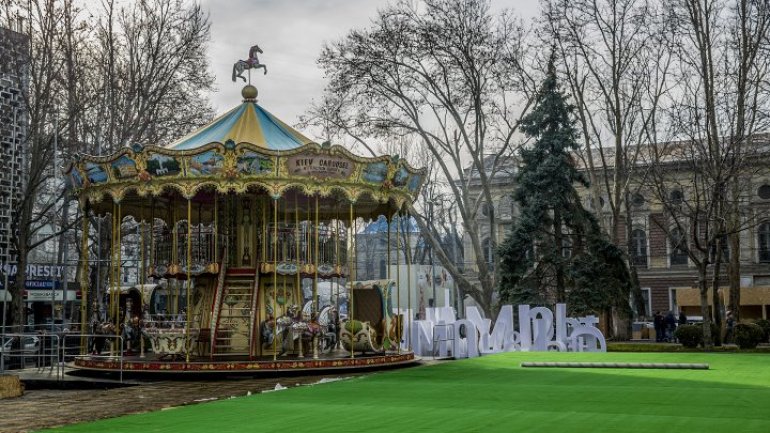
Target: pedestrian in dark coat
pixel 657 321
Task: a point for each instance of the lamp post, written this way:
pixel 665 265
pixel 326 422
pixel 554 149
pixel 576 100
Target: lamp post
pixel 55 181
pixel 5 313
pixel 432 202
pixel 432 300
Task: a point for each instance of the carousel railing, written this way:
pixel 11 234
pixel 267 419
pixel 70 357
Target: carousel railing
pixel 304 247
pixel 169 256
pixel 218 297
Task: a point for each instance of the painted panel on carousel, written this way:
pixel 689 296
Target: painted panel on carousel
pixel 252 163
pixel 375 172
pixel 208 163
pixel 163 165
pixel 77 177
pixel 320 166
pixel 414 183
pixel 123 168
pixel 400 177
pixel 96 173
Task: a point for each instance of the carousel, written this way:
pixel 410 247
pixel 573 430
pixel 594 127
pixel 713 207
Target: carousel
pixel 247 229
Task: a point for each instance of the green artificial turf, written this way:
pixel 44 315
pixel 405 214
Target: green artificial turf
pixel 493 393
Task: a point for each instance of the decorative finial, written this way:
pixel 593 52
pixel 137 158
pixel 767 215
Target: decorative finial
pixel 249 93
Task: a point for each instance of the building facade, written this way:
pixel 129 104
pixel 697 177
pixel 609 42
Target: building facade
pixel 14 48
pixel 667 276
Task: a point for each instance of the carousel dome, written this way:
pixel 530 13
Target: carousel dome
pixel 246 123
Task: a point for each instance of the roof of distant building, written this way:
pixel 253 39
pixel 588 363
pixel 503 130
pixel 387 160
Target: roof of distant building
pixel 381 225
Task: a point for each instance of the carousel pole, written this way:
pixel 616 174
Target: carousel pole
pixel 352 276
pixel 142 280
pixel 153 254
pixel 275 278
pixel 338 271
pixel 296 256
pixel 111 300
pixel 84 279
pixel 314 309
pixel 408 260
pixel 296 242
pixel 398 278
pixel 216 228
pixel 264 234
pixel 188 292
pixel 118 273
pixel 398 292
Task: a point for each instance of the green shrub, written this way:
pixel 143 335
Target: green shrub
pixel 765 325
pixel 689 335
pixel 748 335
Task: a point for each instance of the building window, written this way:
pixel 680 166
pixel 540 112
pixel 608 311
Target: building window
pixel 764 192
pixel 646 299
pixel 647 307
pixel 486 245
pixel 637 200
pixel 639 247
pixel 678 248
pixel 486 209
pixel 764 242
pixel 676 197
pixel 566 248
pixel 724 246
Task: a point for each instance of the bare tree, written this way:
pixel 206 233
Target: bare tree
pixel 616 66
pixel 138 78
pixel 749 30
pixel 450 75
pixel 717 108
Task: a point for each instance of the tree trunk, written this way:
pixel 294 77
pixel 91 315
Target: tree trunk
pixel 561 294
pixel 717 307
pixel 734 276
pixel 704 305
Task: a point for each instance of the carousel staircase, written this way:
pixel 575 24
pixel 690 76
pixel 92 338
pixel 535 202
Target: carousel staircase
pixel 235 320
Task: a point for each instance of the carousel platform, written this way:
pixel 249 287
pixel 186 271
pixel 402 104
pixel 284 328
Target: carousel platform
pixel 236 365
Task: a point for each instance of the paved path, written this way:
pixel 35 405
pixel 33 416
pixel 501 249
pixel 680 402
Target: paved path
pixel 39 409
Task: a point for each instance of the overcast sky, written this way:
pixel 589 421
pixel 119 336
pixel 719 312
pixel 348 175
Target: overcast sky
pixel 291 34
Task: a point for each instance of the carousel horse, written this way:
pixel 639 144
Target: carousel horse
pixel 289 327
pixel 97 341
pixel 327 321
pixel 280 328
pixel 324 327
pixel 251 63
pixel 132 332
pixel 102 330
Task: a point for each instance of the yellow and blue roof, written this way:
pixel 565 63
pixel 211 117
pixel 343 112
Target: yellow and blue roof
pixel 248 123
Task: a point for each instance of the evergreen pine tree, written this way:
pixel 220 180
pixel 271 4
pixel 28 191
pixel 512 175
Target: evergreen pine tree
pixel 556 251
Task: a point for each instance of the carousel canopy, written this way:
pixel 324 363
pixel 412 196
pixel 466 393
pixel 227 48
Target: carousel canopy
pixel 246 123
pixel 245 151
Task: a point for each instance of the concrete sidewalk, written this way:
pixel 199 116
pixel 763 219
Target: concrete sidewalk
pixel 38 409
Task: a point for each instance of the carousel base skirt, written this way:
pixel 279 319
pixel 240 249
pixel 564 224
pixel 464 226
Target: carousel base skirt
pixel 235 364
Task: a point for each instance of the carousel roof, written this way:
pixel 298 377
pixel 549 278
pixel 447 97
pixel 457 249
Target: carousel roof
pixel 246 123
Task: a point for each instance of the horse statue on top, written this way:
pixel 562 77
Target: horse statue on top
pixel 251 63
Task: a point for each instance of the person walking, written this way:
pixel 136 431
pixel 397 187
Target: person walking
pixel 682 318
pixel 670 322
pixel 657 321
pixel 729 327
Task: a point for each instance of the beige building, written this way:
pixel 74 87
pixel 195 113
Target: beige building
pixel 667 276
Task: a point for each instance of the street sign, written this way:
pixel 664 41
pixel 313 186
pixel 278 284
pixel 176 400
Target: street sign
pixel 35 284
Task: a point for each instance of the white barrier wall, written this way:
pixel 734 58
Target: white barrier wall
pixel 539 329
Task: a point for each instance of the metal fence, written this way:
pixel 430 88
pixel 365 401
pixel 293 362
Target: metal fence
pixel 47 351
